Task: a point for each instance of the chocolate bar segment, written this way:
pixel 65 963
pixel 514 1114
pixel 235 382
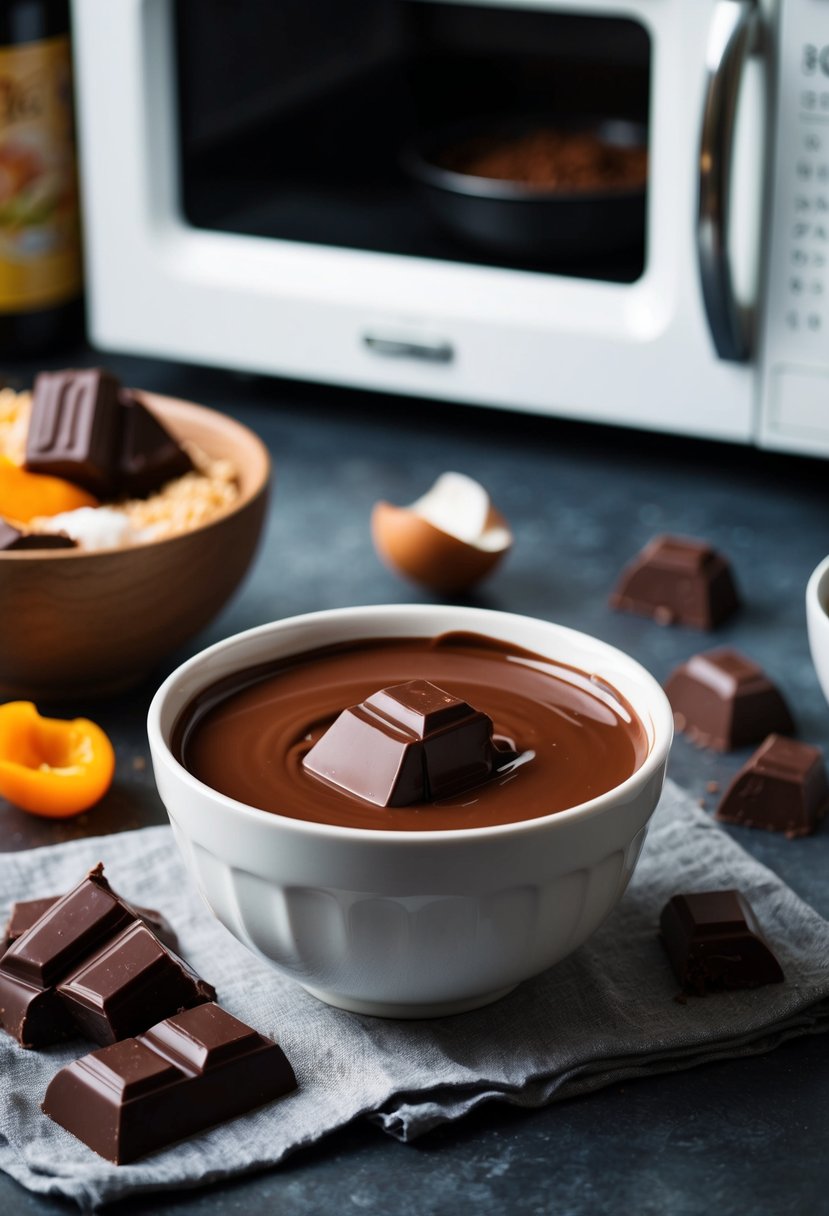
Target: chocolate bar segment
pixel 149 456
pixel 783 787
pixel 25 912
pixel 678 581
pixel 74 428
pixel 723 700
pixel 128 984
pixel 188 1073
pixel 714 943
pixel 409 743
pixel 69 931
pixel 89 965
pixel 12 539
pixel 30 1008
pixel 23 915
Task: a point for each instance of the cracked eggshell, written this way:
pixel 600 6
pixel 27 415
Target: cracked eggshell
pixel 431 541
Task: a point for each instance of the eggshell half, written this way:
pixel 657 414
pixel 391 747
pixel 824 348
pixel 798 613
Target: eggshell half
pixel 424 553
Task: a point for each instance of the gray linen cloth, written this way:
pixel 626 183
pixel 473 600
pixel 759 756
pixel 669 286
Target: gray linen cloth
pixel 604 1015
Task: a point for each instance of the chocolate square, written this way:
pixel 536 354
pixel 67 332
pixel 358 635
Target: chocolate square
pixel 191 1071
pixel 714 943
pixel 149 456
pixel 677 580
pixel 74 428
pixel 128 984
pixel 783 787
pixel 24 913
pixel 723 700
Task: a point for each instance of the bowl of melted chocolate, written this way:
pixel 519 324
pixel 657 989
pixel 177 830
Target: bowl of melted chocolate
pixel 410 809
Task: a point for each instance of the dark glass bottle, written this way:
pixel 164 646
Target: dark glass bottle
pixel 40 254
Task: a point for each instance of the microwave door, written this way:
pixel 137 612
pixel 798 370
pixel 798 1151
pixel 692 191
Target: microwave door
pixel 315 258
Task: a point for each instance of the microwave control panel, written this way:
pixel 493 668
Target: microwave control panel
pixel 794 349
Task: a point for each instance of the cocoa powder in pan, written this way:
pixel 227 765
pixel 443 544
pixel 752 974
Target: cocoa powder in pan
pixel 551 159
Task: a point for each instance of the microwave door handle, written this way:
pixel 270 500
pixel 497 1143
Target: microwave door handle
pixel 729 43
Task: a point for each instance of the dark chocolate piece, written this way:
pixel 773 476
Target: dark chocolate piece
pixel 783 787
pixel 409 743
pixel 186 1074
pixel 149 455
pixel 74 428
pixel 678 581
pixel 23 915
pixel 30 1008
pixel 12 538
pixel 128 984
pixel 723 700
pixel 50 987
pixel 714 942
pixel 25 912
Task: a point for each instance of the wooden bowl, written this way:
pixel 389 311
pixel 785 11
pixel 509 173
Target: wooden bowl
pixel 77 624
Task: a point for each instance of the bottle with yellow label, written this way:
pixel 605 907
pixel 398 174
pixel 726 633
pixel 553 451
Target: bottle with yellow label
pixel 40 251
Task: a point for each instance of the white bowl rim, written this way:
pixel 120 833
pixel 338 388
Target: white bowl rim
pixel 819 575
pixel 661 716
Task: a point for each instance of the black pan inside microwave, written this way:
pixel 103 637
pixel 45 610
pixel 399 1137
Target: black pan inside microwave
pixel 302 122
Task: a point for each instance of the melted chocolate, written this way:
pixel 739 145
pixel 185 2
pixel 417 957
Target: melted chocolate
pixel 575 736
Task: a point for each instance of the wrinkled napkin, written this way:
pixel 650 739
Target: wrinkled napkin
pixel 603 1015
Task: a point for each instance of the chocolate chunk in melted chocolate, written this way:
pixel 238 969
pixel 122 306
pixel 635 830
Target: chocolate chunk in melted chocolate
pixel 149 456
pixel 714 942
pixel 74 428
pixel 409 743
pixel 187 1073
pixel 678 581
pixel 89 965
pixel 723 700
pixel 783 787
pixel 11 539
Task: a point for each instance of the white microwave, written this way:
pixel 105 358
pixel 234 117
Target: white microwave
pixel 247 206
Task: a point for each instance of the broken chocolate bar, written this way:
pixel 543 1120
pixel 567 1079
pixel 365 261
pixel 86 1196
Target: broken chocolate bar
pixel 186 1074
pixel 783 787
pixel 409 743
pixel 678 581
pixel 714 943
pixel 149 455
pixel 51 986
pixel 128 984
pixel 12 539
pixel 74 428
pixel 85 428
pixel 723 700
pixel 25 912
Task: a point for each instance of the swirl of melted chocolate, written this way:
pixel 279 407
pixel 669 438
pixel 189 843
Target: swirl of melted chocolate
pixel 575 736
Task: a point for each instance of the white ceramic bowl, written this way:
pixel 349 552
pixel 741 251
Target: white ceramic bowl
pixel 410 924
pixel 817 622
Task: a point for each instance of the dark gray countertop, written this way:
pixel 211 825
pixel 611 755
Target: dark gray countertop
pixel 742 1137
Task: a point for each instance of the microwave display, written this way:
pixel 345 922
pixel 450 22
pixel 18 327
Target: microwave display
pixel 376 124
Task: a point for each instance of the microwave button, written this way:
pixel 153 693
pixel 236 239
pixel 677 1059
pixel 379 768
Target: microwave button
pixel 395 346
